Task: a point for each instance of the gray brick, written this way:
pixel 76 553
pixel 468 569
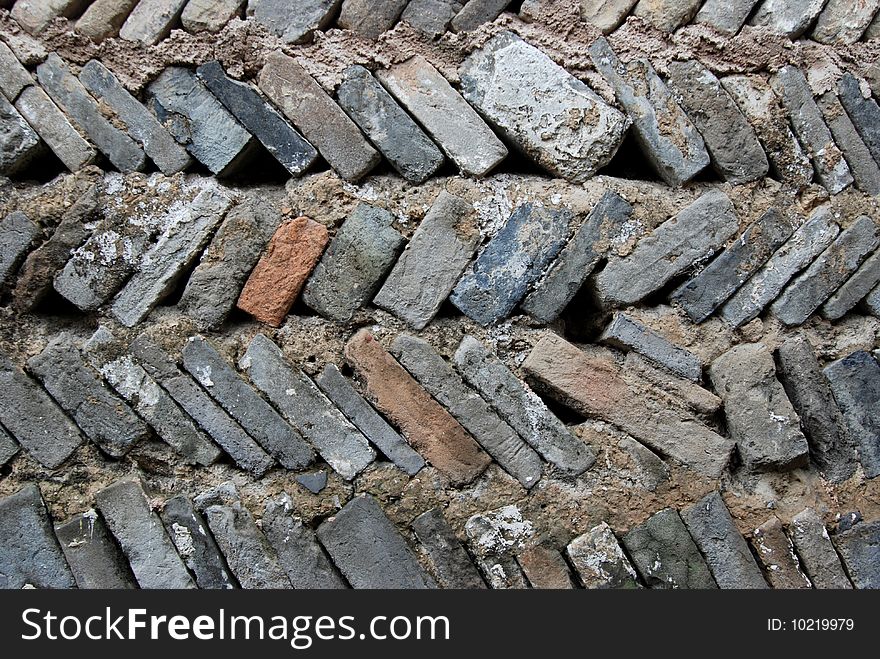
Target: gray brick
pixel 314 482
pixel 299 553
pixel 243 404
pixel 855 381
pixel 549 114
pixel 8 447
pixel 302 100
pixel 792 88
pixel 807 242
pixel 665 134
pixel 494 537
pixel 860 550
pixel 370 18
pixel 759 415
pixel 863 111
pixel 628 334
pixel 168 155
pixel 828 272
pixel 36 15
pixel 446 556
pixel 831 447
pixel 29 553
pixel 198 121
pixel 352 268
pixel 521 408
pixel 339 390
pixel 151 20
pixel 91 553
pixel 19 144
pixel 139 532
pixel 673 247
pixel 776 555
pixel 261 119
pixel 293 23
pixel 395 134
pixel 861 163
pixel 368 549
pixel 701 295
pixel 725 16
pixel 68 92
pixel 667 15
pixel 18 233
pixel 453 124
pixel 103 18
pixel 665 554
pixel 844 21
pixel 51 441
pixel 606 15
pixel 820 561
pixel 472 412
pixel 294 394
pixel 790 18
pixel 101 415
pixel 592 240
pixel 13 76
pixel 476 12
pixel 600 561
pixel 209 15
pixel 514 259
pixel 855 289
pixel 433 17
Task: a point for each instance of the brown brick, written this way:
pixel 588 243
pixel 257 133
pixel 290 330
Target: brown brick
pixel 427 426
pixel 277 280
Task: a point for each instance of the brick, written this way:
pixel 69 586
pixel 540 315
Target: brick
pixel 863 111
pixel 791 86
pixel 855 381
pixel 51 441
pixel 433 17
pixel 55 129
pixel 594 385
pixel 141 536
pixel 406 146
pixel 104 18
pixel 122 107
pixel 322 122
pixel 665 555
pixel 476 12
pixel 101 415
pixel 686 394
pixel 244 405
pixel 151 20
pixel 30 555
pixel 860 550
pixel 13 76
pixel 861 163
pixel 19 144
pixel 731 141
pixel 432 262
pixel 606 15
pixel 521 408
pixel 545 568
pixel 760 105
pixel 827 273
pixel 293 23
pixel 228 434
pixel 351 270
pixel 775 553
pixel 216 283
pixel 667 15
pixel 340 391
pixel 189 533
pixel 760 418
pixel 368 550
pixel 8 447
pixel 705 292
pixel 494 538
pixel 591 241
pixel 36 15
pixel 873 30
pixel 68 92
pixel 18 233
pixel 91 553
pixel 854 289
pixel 209 15
pixel 831 447
pixel 725 16
pixel 448 559
pixel 790 18
pixel 813 544
pixel 726 551
pixel 549 114
pixel 470 410
pixel 516 257
pixel 277 280
pixel 807 242
pixel 314 482
pixel 600 561
pixel 844 21
pixel 669 250
pixel 294 394
pixel 370 19
pixel 453 124
pixel 627 334
pixel 300 555
pixel 261 119
pixel 198 121
pixel 427 426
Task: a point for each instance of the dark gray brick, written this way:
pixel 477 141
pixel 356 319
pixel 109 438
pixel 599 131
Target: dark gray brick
pixel 293 23
pixel 860 550
pixel 19 144
pixel 725 16
pixel 13 76
pixel 447 557
pixel 476 12
pixel 820 561
pixel 861 163
pixel 854 289
pixel 432 17
pixel 863 111
pixel 628 334
pixel 92 555
pixel 18 233
pixel 8 447
pixel 370 18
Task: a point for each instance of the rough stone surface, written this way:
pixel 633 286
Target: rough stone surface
pixel 669 250
pixel 777 557
pixel 863 111
pixel 433 17
pixel 92 555
pixel 151 20
pixel 813 545
pixel 352 268
pixel 104 18
pixel 860 550
pixel 476 12
pixel 35 15
pixel 209 15
pixel 790 18
pixel 370 18
pixel 189 533
pixel 665 134
pixel 667 15
pixel 606 15
pixel 13 76
pixel 854 289
pixel 18 233
pixel 844 21
pixel 293 23
pixel 447 558
pixel 495 537
pixel 453 124
pixel 725 16
pixel 628 334
pixel 600 561
pixel 19 144
pixel 8 447
pixel 314 482
pixel 861 163
pixel 545 568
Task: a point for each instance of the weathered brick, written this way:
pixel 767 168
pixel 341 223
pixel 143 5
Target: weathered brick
pixel 151 20
pixel 103 18
pixel 276 281
pixel 476 12
pixel 820 561
pixel 453 124
pixel 19 144
pixel 8 447
pixel 370 18
pixel 13 76
pixel 544 567
pixel 209 15
pixel 433 17
pixel 775 553
pixel 725 16
pixel 844 21
pixel 293 23
pixel 790 18
pixel 863 111
pixel 860 550
pixel 18 233
pixel 606 15
pixel 628 334
pixel 861 163
pixel 446 556
pixel 93 557
pixel 429 428
pixel 600 561
pixel 667 15
pixel 854 289
pixel 35 15
pixel 495 537
pixel 684 393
